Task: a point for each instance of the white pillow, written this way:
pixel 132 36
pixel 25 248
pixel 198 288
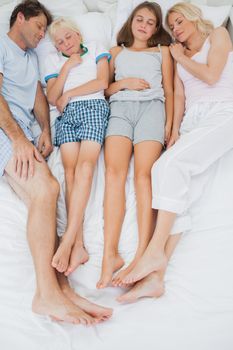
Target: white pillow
pixel 67 8
pixel 218 15
pixel 94 26
pixel 5 13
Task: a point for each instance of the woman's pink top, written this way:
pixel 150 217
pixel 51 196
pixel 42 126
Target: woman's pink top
pixel 198 91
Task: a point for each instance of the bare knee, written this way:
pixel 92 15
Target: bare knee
pixel 85 170
pixel 47 188
pixel 142 179
pixel 114 175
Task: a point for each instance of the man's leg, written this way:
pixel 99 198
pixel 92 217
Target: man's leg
pixel 40 193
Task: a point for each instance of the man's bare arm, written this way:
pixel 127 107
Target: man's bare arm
pixel 24 153
pixel 41 112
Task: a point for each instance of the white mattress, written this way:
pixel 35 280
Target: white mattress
pixel 196 311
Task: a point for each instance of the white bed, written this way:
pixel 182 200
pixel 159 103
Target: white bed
pixel 196 311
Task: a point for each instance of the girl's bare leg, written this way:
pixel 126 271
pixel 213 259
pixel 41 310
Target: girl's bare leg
pixel 118 151
pixel 145 154
pixel 154 258
pixel 153 284
pixel 67 258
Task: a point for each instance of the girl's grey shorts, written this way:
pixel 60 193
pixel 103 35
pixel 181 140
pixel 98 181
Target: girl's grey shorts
pixel 138 120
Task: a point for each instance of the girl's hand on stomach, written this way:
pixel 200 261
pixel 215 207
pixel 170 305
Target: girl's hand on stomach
pixel 62 102
pixel 136 84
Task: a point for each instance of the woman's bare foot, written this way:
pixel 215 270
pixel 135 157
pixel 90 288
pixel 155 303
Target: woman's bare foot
pixel 110 264
pixel 150 261
pixel 78 256
pixel 99 312
pixel 117 280
pixel 150 286
pixel 61 258
pixel 60 308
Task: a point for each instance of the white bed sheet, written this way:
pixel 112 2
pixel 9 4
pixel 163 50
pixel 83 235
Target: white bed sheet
pixel 196 311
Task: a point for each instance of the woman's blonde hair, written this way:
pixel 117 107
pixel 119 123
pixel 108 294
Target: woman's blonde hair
pixel 62 23
pixel 193 14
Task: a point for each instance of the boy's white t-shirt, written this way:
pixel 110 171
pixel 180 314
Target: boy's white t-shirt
pixel 82 73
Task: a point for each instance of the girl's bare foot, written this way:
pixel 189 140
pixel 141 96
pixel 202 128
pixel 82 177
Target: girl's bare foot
pixel 150 286
pixel 78 256
pixel 99 312
pixel 149 262
pixel 110 264
pixel 61 258
pixel 60 308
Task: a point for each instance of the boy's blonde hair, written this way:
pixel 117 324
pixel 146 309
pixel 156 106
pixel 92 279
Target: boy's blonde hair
pixel 192 13
pixel 62 23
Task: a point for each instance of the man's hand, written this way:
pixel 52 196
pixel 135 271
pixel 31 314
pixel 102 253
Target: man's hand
pixel 45 146
pixel 24 155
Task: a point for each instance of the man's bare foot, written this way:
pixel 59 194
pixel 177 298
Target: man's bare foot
pixel 99 312
pixel 78 256
pixel 150 286
pixel 110 264
pixel 61 258
pixel 60 308
pixel 149 262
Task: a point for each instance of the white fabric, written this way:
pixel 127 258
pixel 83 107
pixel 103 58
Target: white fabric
pixel 195 313
pixel 80 74
pixel 218 15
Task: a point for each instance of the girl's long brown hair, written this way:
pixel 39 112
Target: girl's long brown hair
pixel 125 36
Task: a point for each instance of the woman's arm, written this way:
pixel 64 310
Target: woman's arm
pixel 55 86
pixel 128 83
pixel 220 46
pixel 92 86
pixel 179 107
pixel 168 76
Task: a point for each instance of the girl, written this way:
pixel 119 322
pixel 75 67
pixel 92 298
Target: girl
pixel 204 94
pixel 141 79
pixel 76 77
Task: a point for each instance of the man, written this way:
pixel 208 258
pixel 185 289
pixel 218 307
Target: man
pixel 22 98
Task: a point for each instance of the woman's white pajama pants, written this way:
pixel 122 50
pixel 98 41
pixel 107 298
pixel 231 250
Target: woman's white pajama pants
pixel 206 134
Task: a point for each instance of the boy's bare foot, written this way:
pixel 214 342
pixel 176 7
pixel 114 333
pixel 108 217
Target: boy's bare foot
pixel 150 261
pixel 150 286
pixel 60 308
pixel 61 258
pixel 99 312
pixel 78 256
pixel 110 264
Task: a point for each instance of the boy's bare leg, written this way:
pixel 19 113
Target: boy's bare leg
pixel 145 155
pixel 40 193
pixel 152 285
pixel 154 258
pixel 69 154
pixel 118 151
pixel 65 258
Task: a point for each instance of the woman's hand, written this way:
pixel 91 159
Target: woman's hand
pixel 177 50
pixel 136 84
pixel 174 137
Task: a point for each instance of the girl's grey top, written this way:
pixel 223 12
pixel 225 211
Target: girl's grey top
pixel 139 64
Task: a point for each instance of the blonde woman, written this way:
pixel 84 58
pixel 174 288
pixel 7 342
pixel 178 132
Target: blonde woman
pixel 76 78
pixel 201 134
